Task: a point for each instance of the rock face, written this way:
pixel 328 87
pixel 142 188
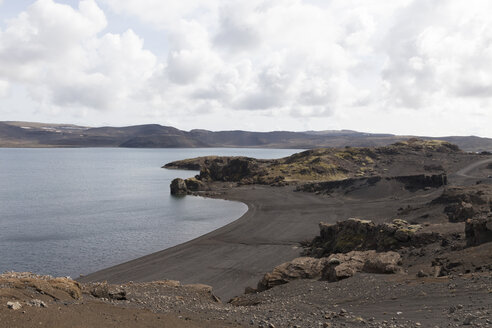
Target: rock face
pixel 357 234
pixel 332 268
pixel 232 169
pixel 460 212
pixel 193 184
pixel 478 230
pixel 181 187
pixel 178 187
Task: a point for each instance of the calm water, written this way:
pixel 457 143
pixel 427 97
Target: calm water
pixel 72 211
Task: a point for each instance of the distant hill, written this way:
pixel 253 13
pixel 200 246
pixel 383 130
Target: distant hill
pixel 27 134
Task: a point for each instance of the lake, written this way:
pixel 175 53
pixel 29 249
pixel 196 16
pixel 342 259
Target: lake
pixel 66 212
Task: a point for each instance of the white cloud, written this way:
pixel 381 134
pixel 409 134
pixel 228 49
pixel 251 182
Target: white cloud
pixel 4 88
pixel 440 52
pixel 58 54
pixel 164 14
pixel 306 63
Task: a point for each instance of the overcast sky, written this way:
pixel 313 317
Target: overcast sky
pixel 419 67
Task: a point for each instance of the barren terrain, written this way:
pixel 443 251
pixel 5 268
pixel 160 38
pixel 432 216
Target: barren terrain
pixel 405 244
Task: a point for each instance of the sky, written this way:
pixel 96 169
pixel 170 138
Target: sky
pixel 411 67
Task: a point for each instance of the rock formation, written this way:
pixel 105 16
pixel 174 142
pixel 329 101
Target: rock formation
pixel 332 268
pixel 462 203
pixel 478 230
pixel 178 187
pixel 357 234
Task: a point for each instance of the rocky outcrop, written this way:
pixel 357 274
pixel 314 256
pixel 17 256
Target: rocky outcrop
pixel 178 187
pixel 104 290
pixel 476 195
pixel 478 230
pixel 232 169
pixel 181 187
pixel 332 268
pixel 460 212
pixel 356 234
pixel 463 203
pixel 299 268
pixel 56 288
pixel 193 184
pixel 342 266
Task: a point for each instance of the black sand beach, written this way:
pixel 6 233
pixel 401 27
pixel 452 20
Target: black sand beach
pixel 278 220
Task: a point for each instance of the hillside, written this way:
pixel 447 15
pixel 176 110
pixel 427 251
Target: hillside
pixel 27 134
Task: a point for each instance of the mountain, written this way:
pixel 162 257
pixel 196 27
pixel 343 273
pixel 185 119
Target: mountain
pixel 28 134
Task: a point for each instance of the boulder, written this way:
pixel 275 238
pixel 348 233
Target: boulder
pixel 342 266
pixel 333 268
pixel 104 290
pixel 299 268
pixel 14 305
pixel 178 187
pixel 478 230
pixel 388 262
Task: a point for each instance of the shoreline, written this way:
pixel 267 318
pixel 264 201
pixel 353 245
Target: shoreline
pixel 238 254
pixel 270 233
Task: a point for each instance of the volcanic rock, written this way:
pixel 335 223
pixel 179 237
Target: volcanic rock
pixel 229 169
pixel 357 234
pixel 462 203
pixel 478 231
pixel 178 187
pixel 332 268
pixel 193 184
pixel 299 268
pixel 103 290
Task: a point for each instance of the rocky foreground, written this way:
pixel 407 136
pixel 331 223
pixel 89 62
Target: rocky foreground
pixel 398 236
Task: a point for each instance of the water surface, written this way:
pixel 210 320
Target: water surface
pixel 72 211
